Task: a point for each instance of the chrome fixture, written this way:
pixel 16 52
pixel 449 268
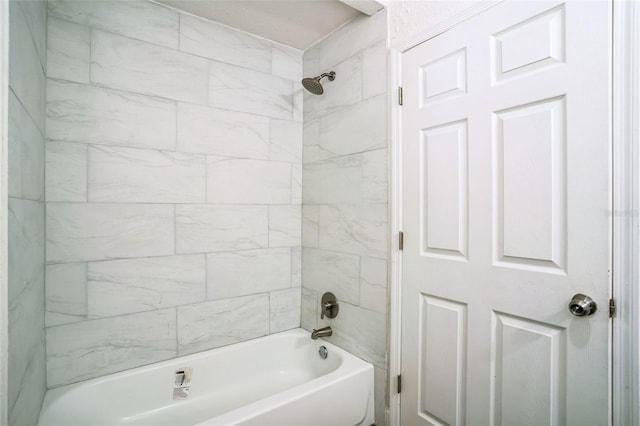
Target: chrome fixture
pixel 321 332
pixel 313 84
pixel 329 306
pixel 183 376
pixel 582 305
pixel 323 352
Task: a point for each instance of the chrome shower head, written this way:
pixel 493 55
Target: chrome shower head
pixel 313 84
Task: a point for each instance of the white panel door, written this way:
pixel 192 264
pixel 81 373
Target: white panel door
pixel 506 215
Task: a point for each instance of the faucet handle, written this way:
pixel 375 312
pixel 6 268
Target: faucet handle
pixel 329 306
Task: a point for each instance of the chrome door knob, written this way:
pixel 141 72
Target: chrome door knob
pixel 582 305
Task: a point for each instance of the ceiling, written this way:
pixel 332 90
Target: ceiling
pixel 295 23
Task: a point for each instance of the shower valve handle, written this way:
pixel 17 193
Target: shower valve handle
pixel 328 306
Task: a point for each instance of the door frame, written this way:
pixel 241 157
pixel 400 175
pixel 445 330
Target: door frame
pixel 625 180
pixel 626 200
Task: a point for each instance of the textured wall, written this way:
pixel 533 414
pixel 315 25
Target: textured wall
pixel 345 197
pixel 411 17
pixel 173 187
pixel 27 63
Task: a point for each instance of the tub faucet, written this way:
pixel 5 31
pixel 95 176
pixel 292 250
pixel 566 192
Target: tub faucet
pixel 321 332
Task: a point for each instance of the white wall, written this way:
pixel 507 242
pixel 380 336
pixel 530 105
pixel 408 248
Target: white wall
pixel 408 18
pixel 173 187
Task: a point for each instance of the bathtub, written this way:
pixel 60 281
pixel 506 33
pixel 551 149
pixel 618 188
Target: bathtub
pixel 279 379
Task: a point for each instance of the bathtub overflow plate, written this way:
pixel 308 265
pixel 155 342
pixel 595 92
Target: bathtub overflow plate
pixel 323 352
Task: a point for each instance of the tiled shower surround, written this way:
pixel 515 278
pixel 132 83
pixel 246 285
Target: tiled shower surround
pixel 26 229
pixel 345 208
pixel 173 187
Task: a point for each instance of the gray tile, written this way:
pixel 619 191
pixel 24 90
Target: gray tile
pixel 311 154
pixel 139 19
pixel 357 128
pixel 220 132
pixel 358 229
pixel 311 61
pixel 127 64
pixel 66 293
pixel 311 133
pixel 14 146
pixel 285 226
pixel 25 341
pixel 32 160
pixel 242 181
pixel 245 272
pixel 212 40
pixel 90 349
pixel 127 286
pixel 296 266
pixel 241 89
pixel 26 236
pixel 298 102
pixel 35 15
pixel 26 154
pixel 345 90
pixel 69 50
pixel 336 180
pixel 309 309
pixel 66 171
pixel 336 272
pixel 208 325
pixel 374 70
pixel 359 331
pixel 209 228
pixel 375 175
pixel 286 141
pixel 373 284
pixel 89 114
pixel 296 184
pixel 310 222
pixel 27 391
pixel 286 62
pixel 84 232
pixel 145 176
pixel 26 71
pixel 284 307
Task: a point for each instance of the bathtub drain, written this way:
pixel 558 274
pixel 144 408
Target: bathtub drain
pixel 323 352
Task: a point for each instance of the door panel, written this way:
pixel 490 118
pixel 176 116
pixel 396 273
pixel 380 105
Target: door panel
pixel 506 138
pixel 443 156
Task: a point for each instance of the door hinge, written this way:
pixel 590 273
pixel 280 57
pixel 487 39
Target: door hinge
pixel 399 380
pixel 400 96
pixel 401 241
pixel 612 308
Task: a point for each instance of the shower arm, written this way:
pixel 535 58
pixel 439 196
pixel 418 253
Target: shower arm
pixel 330 75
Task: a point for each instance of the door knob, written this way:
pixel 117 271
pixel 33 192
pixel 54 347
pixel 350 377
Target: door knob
pixel 582 305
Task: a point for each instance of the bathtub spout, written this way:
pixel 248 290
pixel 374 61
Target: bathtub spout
pixel 321 332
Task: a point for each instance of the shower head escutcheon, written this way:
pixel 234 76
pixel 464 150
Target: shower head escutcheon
pixel 313 84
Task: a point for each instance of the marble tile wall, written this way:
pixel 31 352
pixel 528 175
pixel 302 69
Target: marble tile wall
pixel 26 221
pixel 174 186
pixel 345 195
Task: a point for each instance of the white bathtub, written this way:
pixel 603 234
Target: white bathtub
pixel 274 380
